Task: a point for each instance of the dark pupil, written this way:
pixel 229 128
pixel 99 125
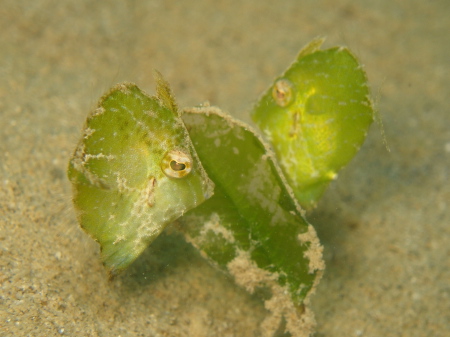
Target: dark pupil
pixel 174 165
pixel 281 94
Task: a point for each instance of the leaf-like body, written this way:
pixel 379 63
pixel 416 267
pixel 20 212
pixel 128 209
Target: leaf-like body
pixel 134 171
pixel 253 226
pixel 316 116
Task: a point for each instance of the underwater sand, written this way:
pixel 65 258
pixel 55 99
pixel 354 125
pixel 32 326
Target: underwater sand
pixel 385 222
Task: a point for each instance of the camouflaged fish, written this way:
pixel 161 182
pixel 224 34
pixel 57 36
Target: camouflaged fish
pixel 134 171
pixel 316 116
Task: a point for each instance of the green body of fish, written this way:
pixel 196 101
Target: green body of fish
pixel 141 164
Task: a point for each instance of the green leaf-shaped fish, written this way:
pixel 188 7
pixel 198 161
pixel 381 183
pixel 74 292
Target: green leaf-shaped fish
pixel 316 115
pixel 134 171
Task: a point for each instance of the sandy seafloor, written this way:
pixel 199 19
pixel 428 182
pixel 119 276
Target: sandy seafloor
pixel 385 222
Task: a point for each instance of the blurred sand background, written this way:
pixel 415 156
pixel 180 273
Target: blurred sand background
pixel 385 223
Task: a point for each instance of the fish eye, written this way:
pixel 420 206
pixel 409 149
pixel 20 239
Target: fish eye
pixel 176 164
pixel 282 92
